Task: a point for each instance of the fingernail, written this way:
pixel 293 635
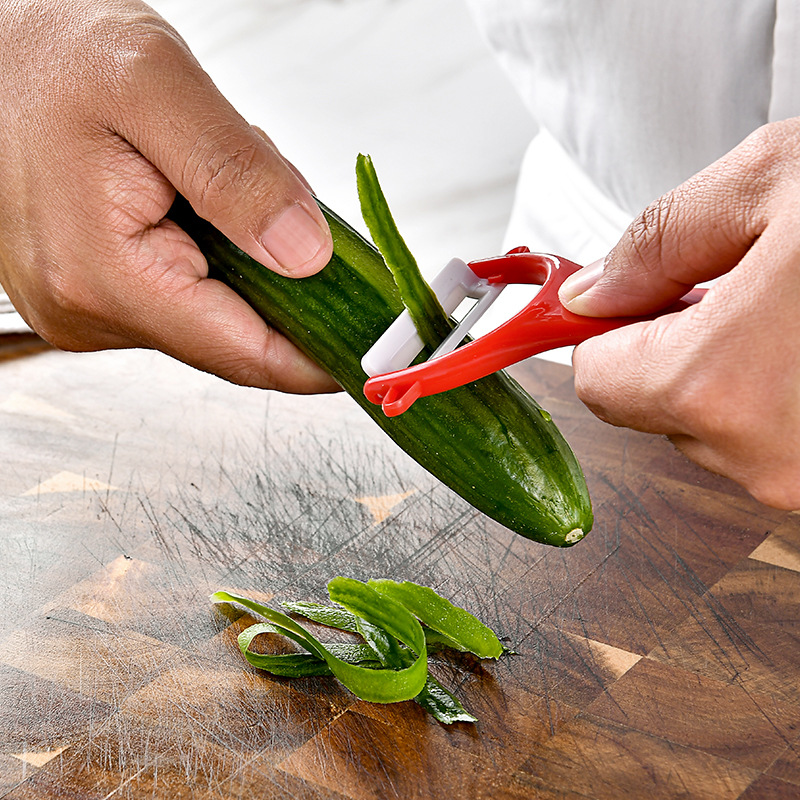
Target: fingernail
pixel 581 281
pixel 293 239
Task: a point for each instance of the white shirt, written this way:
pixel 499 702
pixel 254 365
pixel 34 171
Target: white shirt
pixel 632 98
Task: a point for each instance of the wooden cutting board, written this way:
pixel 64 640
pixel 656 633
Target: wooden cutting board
pixel 659 658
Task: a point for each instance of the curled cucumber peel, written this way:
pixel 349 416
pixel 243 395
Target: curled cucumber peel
pixel 386 686
pixel 396 623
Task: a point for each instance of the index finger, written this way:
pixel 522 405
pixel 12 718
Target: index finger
pixel 694 233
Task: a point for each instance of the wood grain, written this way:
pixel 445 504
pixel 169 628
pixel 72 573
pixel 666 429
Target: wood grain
pixel 17 345
pixel 658 658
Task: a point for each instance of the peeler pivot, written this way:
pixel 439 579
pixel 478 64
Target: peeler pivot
pixel 542 325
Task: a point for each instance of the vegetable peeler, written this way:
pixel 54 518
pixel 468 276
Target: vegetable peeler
pixel 542 325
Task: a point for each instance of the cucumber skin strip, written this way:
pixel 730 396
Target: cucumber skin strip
pixel 345 621
pixel 289 665
pixel 376 686
pixel 424 307
pixel 385 647
pixel 440 614
pixel 363 601
pixel 299 665
pixel 441 704
pixel 324 615
pixel 434 698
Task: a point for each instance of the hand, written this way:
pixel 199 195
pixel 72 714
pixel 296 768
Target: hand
pixel 721 379
pixel 104 114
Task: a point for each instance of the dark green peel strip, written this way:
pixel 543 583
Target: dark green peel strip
pixel 385 648
pixel 433 698
pixel 438 641
pixel 363 601
pixel 299 665
pixel 287 665
pixel 424 307
pixel 324 615
pixel 441 704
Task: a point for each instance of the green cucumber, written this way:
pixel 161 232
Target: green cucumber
pixel 489 441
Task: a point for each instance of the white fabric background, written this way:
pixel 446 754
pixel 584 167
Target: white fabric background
pixel 643 94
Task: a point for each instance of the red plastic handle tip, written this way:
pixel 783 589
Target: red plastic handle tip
pixel 400 398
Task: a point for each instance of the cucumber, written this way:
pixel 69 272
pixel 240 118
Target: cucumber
pixel 489 441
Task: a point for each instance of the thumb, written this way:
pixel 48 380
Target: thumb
pixel 231 174
pixel 694 233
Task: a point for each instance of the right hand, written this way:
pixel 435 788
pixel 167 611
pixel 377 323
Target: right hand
pixel 104 115
pixel 720 378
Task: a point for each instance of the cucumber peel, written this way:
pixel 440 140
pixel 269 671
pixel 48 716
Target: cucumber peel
pixel 391 660
pixel 424 307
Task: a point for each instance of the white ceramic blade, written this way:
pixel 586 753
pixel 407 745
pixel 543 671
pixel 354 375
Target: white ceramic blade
pixel 401 344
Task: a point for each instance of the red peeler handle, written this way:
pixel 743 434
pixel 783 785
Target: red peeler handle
pixel 542 325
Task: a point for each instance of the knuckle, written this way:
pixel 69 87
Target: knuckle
pixel 585 384
pixel 702 406
pixel 66 291
pixel 764 156
pixel 645 234
pixel 68 310
pixel 688 406
pixel 603 389
pixel 218 167
pixel 127 49
pixel 585 392
pixel 764 144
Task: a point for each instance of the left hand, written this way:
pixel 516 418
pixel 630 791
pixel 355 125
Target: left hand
pixel 105 115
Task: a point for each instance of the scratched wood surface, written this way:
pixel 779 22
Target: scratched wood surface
pixel 659 658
